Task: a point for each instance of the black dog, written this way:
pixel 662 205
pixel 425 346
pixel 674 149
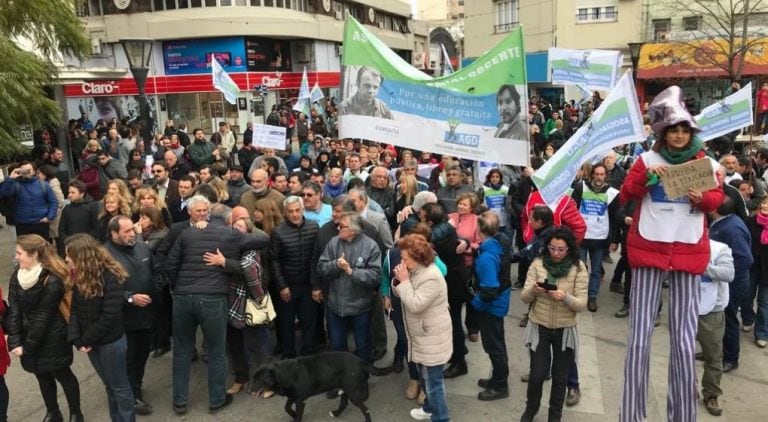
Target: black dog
pixel 301 378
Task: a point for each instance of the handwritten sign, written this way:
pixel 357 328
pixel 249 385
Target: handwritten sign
pixel 697 174
pixel 268 136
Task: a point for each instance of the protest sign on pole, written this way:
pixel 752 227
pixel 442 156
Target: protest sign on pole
pixel 592 69
pixel 302 101
pixel 268 136
pixel 616 122
pixel 478 112
pixel 721 118
pixel 223 82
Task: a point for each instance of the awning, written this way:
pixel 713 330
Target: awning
pixel 696 59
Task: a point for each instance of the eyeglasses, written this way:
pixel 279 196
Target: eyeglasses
pixel 557 250
pixel 342 226
pixel 307 195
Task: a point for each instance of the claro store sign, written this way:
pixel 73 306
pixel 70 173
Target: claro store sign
pixel 100 88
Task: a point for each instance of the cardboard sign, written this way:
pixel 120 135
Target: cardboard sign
pixel 697 174
pixel 267 136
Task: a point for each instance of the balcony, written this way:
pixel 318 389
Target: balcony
pixel 505 27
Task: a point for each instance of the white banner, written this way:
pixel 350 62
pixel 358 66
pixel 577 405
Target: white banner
pixel 616 122
pixel 268 136
pixel 593 69
pixel 724 117
pixel 223 82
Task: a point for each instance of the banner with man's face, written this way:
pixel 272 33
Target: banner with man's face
pixel 477 113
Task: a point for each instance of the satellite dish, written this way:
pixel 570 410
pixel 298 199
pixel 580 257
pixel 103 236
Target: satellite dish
pixel 122 4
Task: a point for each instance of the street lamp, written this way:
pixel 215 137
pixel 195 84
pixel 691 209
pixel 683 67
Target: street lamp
pixel 139 53
pixel 634 54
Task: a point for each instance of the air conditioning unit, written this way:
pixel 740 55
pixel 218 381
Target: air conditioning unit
pixel 96 46
pixel 338 14
pixel 662 36
pixel 303 53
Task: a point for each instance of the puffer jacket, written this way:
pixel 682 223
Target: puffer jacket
pixel 290 253
pixel 79 217
pixel 351 294
pixel 185 267
pixel 35 199
pixel 98 320
pixel 445 240
pixel 487 270
pixel 35 323
pixel 551 313
pixel 446 196
pixel 674 256
pixel 427 320
pixel 142 278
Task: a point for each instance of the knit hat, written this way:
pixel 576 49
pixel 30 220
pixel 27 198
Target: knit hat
pixel 239 212
pixel 423 198
pixel 668 109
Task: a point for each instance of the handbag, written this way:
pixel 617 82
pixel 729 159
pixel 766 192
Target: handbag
pixel 259 313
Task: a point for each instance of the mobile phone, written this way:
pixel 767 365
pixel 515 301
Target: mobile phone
pixel 547 286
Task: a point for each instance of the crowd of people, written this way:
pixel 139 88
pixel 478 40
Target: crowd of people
pixel 155 240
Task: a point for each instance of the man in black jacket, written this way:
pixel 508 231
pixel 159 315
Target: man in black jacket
pixel 197 269
pixel 177 206
pixel 138 311
pixel 79 216
pixel 290 252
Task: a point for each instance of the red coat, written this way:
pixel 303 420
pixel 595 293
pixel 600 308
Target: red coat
pixel 5 358
pixel 675 256
pixel 566 213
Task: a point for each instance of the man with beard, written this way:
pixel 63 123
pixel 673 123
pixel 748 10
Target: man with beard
pixel 508 104
pixel 236 185
pixel 260 190
pixel 598 203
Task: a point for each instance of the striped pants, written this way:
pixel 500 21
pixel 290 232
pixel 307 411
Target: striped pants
pixel 683 321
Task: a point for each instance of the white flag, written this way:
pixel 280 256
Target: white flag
pixel 223 82
pixel 302 101
pixel 316 94
pixel 447 66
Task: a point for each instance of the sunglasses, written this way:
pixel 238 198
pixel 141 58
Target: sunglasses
pixel 307 195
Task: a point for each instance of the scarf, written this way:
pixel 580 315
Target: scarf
pixel 333 191
pixel 28 277
pixel 762 220
pixel 679 157
pixel 601 189
pixel 556 270
pixel 495 186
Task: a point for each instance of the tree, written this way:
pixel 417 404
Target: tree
pixel 52 30
pixel 725 36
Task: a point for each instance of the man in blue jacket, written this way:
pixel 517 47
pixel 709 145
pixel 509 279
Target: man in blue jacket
pixel 492 304
pixel 728 228
pixel 36 205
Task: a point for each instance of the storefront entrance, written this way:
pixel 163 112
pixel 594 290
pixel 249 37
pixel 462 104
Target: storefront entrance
pixel 204 110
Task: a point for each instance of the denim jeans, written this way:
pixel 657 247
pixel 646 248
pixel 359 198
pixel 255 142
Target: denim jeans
pixel 401 347
pixel 748 301
pixel 596 253
pixel 210 312
pixel 109 361
pixel 359 324
pixel 732 337
pixel 431 380
pixel 761 323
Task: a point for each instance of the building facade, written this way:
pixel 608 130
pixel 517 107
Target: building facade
pixel 258 42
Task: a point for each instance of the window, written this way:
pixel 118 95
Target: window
pixel 611 13
pixel 597 13
pixel 582 15
pixel 691 23
pixel 661 28
pixel 506 16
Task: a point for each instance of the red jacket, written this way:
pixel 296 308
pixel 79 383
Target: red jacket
pixel 566 213
pixel 675 256
pixel 5 358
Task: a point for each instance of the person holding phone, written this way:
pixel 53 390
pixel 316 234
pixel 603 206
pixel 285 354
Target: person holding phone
pixel 556 289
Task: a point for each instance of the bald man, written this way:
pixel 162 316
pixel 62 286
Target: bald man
pixel 260 190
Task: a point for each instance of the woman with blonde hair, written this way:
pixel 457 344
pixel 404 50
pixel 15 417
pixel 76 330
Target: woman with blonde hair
pixel 266 215
pixel 222 193
pixel 119 187
pixel 96 321
pixel 37 329
pixel 148 197
pixel 406 191
pixel 111 205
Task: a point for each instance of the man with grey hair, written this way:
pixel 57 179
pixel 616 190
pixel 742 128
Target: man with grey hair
pixel 196 269
pixel 291 264
pixel 359 202
pixel 351 264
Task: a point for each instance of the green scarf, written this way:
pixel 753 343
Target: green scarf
pixel 679 157
pixel 556 270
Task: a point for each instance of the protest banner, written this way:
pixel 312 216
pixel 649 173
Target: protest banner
pixel 696 174
pixel 616 122
pixel 478 112
pixel 592 69
pixel 302 101
pixel 223 82
pixel 721 118
pixel 268 136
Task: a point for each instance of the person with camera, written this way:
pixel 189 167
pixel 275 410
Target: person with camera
pixel 35 203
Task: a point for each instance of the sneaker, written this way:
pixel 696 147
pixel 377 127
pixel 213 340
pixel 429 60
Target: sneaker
pixel 141 407
pixel 180 409
pixel 573 397
pixel 761 343
pixel 747 328
pixel 623 312
pixel 729 366
pixel 227 401
pixel 713 407
pixel 420 415
pixel 592 304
